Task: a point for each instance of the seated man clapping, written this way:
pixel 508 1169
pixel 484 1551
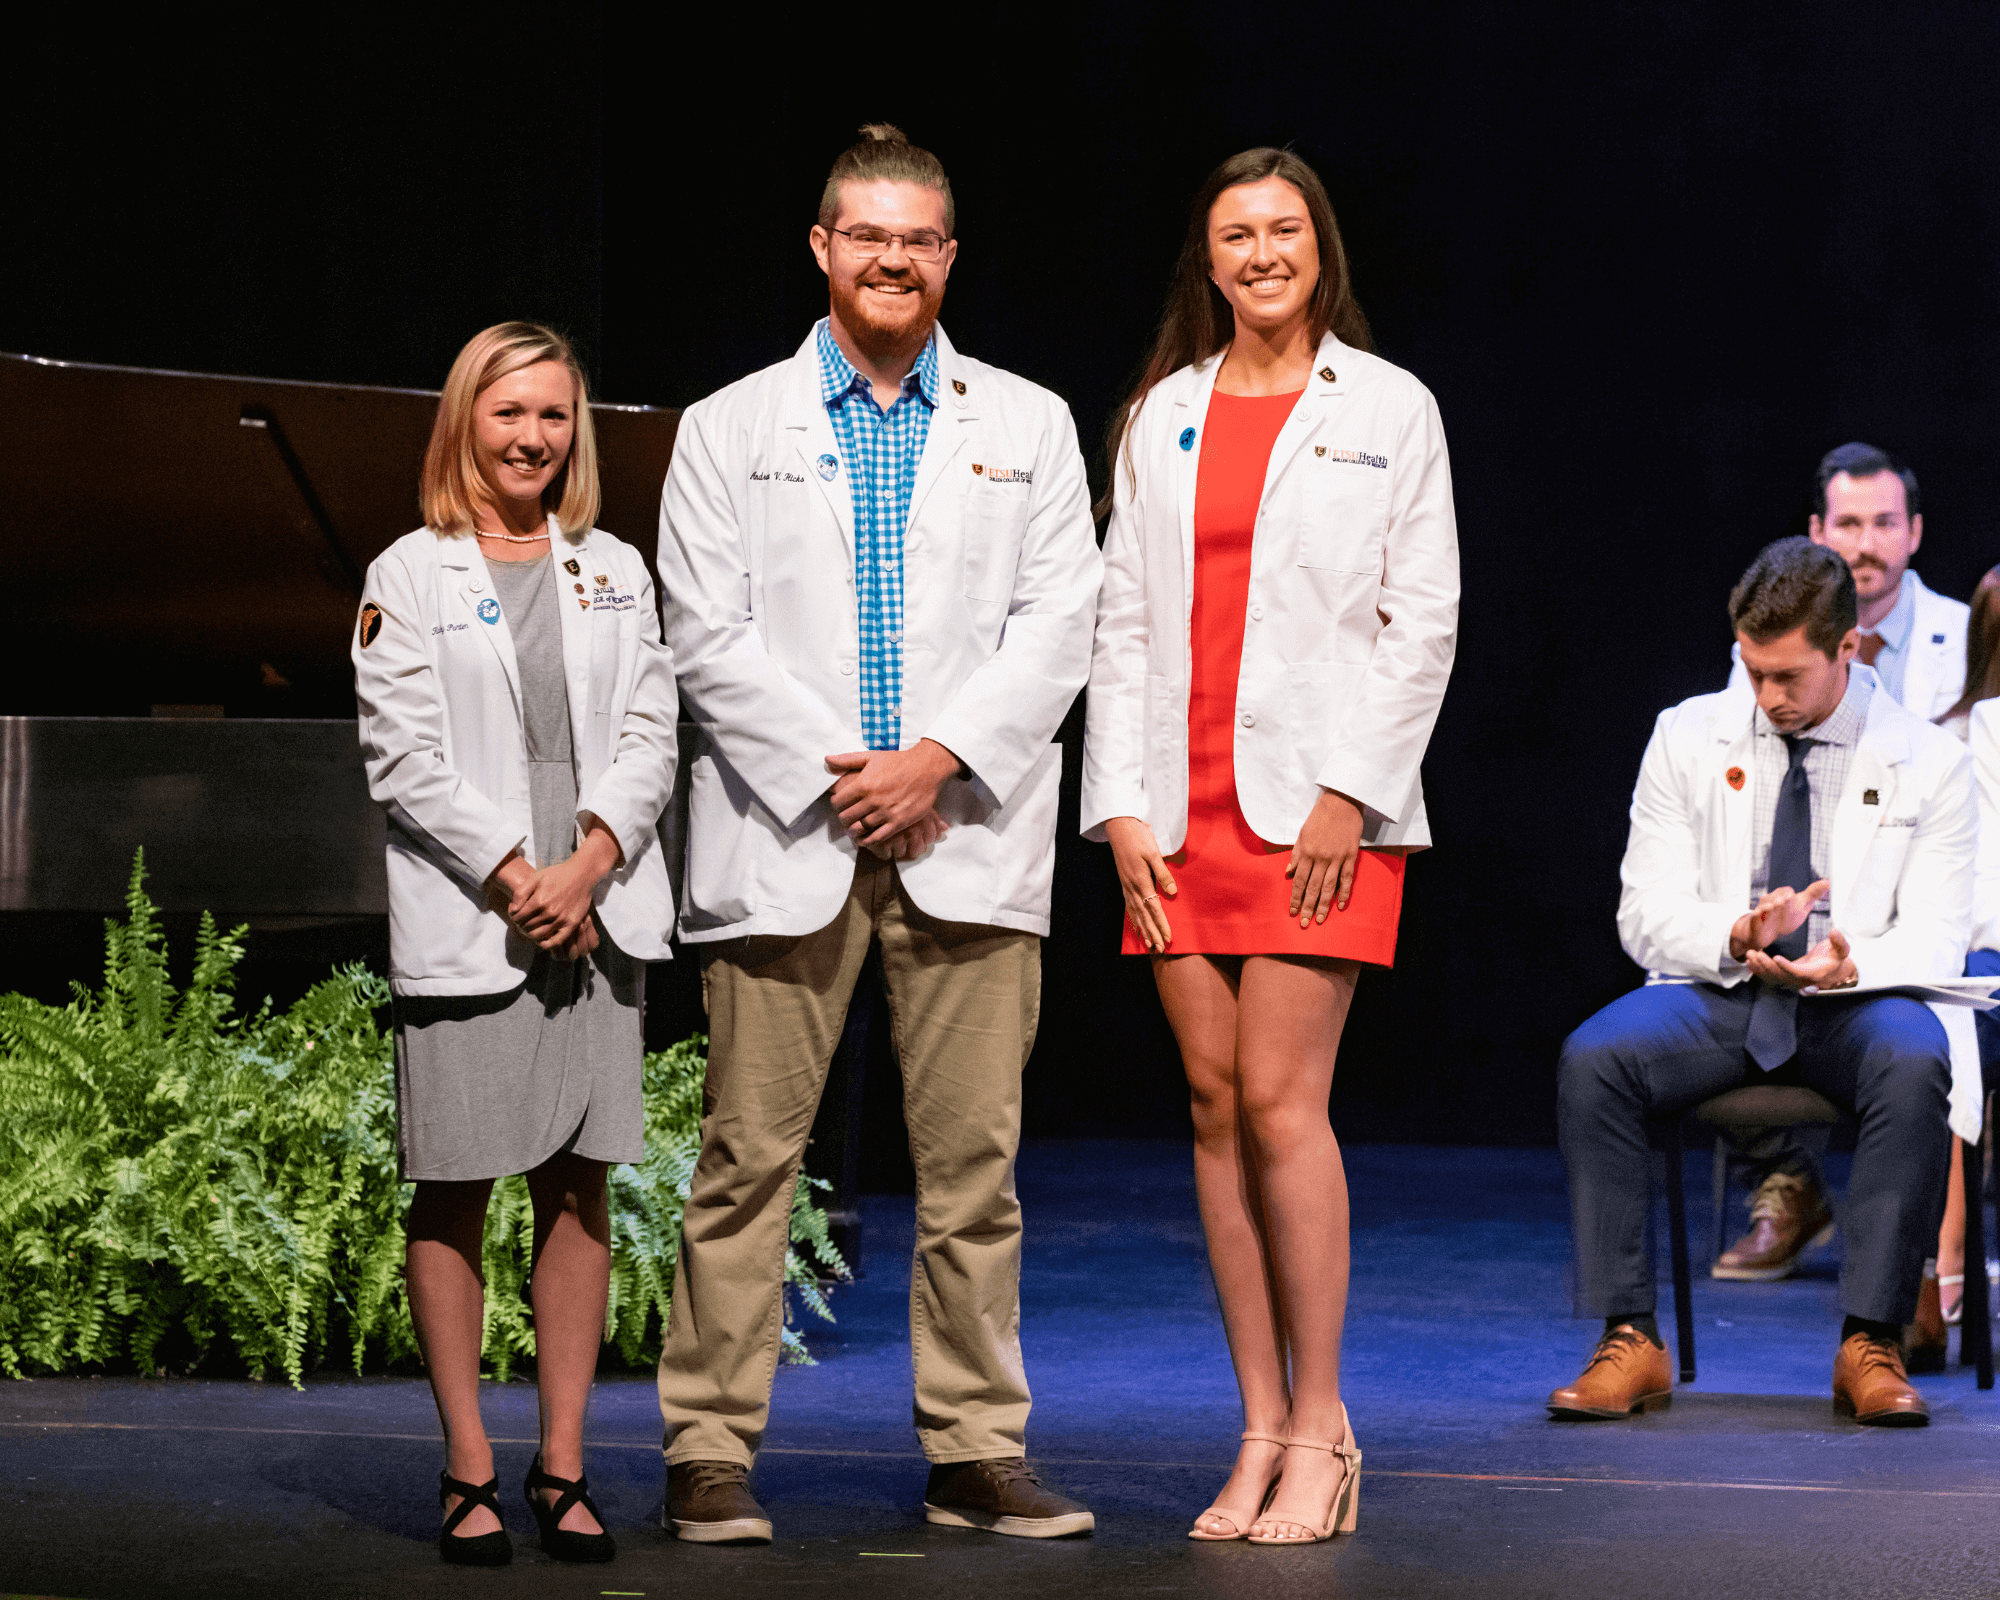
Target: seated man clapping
pixel 1802 832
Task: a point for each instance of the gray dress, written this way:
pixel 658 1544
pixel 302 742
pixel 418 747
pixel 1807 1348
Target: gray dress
pixel 488 1085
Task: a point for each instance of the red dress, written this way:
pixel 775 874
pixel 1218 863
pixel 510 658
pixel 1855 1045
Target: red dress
pixel 1234 894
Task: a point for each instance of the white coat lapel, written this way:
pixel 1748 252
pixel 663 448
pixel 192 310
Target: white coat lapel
pixel 1884 746
pixel 810 429
pixel 571 553
pixel 1735 747
pixel 1324 389
pixel 1186 421
pixel 465 568
pixel 1932 654
pixel 950 425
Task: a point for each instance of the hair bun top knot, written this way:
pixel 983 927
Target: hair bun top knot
pixel 884 133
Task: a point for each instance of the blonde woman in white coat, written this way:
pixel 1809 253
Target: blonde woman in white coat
pixel 1274 633
pixel 517 718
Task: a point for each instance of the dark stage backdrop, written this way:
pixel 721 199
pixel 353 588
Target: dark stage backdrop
pixel 1652 261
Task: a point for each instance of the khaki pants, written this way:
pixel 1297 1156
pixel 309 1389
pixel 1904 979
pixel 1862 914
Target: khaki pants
pixel 963 1004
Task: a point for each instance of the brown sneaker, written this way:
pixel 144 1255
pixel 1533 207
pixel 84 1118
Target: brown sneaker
pixel 1925 1340
pixel 1627 1373
pixel 1001 1496
pixel 709 1502
pixel 1788 1217
pixel 1871 1386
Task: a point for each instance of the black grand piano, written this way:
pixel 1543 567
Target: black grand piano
pixel 187 555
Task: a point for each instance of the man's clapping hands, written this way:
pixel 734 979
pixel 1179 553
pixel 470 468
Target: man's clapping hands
pixel 1828 965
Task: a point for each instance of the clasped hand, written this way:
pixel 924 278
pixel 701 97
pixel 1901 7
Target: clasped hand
pixel 551 906
pixel 887 799
pixel 1828 965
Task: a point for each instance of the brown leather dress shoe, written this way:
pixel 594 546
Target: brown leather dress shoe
pixel 1001 1496
pixel 1925 1340
pixel 1627 1373
pixel 709 1502
pixel 1871 1386
pixel 1788 1217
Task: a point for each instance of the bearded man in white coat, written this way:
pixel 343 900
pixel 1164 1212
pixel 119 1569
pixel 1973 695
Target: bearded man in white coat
pixel 1789 842
pixel 880 574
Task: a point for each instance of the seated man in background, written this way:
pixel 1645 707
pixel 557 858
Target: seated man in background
pixel 1865 509
pixel 1805 832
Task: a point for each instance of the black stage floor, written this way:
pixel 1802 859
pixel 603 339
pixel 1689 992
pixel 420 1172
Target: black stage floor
pixel 1749 1485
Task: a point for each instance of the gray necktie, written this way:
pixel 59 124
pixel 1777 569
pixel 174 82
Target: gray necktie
pixel 1774 1037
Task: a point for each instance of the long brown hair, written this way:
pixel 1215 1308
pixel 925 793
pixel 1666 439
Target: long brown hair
pixel 1197 321
pixel 1982 647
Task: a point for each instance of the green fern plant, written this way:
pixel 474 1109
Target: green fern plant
pixel 172 1171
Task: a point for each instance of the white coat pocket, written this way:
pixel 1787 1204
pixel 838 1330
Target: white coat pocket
pixel 1343 515
pixel 721 886
pixel 1869 906
pixel 995 524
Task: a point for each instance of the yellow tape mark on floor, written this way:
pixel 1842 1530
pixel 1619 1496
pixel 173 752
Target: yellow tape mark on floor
pixel 1051 1461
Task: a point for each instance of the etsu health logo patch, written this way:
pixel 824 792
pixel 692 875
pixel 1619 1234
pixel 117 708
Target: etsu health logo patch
pixel 828 466
pixel 489 610
pixel 1187 438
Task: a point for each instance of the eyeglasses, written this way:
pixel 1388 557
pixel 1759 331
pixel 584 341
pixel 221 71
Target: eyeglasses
pixel 923 245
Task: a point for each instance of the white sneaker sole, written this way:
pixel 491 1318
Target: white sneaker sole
pixel 1019 1527
pixel 742 1530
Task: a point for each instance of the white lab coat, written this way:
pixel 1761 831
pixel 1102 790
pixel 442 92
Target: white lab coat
pixel 1352 619
pixel 1934 675
pixel 1982 737
pixel 447 758
pixel 756 558
pixel 1900 866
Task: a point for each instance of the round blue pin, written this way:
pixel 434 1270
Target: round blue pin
pixel 489 610
pixel 828 466
pixel 1187 438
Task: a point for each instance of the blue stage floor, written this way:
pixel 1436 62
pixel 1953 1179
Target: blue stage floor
pixel 1458 1327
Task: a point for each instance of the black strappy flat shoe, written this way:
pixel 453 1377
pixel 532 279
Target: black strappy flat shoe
pixel 557 1541
pixel 493 1549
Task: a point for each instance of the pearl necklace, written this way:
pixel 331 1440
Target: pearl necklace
pixel 512 538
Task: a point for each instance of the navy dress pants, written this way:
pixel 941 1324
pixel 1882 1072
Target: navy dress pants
pixel 1662 1049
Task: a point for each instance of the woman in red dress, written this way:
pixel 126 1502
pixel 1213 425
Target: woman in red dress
pixel 1274 633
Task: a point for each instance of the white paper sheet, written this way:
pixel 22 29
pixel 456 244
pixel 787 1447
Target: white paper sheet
pixel 1974 992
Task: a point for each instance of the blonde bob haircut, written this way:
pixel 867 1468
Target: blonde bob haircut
pixel 452 486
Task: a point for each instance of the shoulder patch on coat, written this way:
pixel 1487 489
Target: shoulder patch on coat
pixel 370 624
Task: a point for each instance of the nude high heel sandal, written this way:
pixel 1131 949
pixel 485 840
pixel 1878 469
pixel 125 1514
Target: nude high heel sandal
pixel 1346 1507
pixel 1222 1515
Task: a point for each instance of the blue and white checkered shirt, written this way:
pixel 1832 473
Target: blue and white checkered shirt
pixel 881 450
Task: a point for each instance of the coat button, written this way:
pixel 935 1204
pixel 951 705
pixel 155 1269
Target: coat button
pixel 847 668
pixel 1249 719
pixel 1256 613
pixel 478 584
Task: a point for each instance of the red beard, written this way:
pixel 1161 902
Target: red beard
pixel 887 341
